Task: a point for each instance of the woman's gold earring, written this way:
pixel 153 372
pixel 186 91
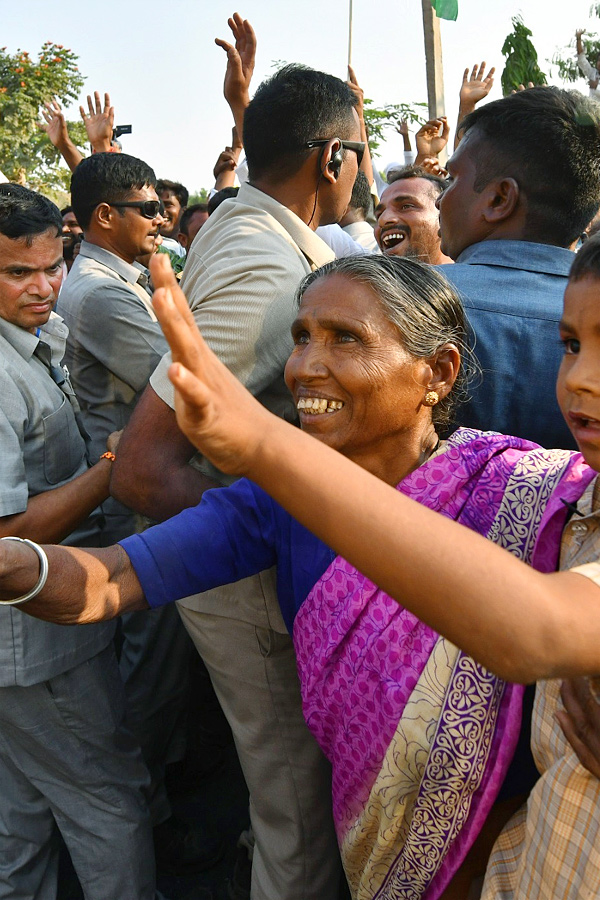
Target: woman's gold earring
pixel 431 398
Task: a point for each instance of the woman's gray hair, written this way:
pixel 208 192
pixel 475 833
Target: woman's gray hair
pixel 419 301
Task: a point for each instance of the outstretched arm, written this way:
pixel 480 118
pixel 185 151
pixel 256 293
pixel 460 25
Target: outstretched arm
pixel 474 87
pixel 240 66
pixel 55 127
pixel 520 623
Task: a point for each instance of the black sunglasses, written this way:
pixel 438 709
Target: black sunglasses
pixel 357 146
pixel 150 209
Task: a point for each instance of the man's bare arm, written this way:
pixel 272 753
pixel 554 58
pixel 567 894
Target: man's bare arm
pixel 50 517
pixel 55 126
pixel 152 473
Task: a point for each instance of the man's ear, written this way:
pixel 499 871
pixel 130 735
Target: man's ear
pixel 501 201
pixel 182 239
pixel 331 160
pixel 103 216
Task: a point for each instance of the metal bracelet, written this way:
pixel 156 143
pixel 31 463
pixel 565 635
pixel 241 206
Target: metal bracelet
pixel 43 572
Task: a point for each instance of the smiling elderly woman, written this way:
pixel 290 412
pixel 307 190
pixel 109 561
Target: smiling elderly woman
pixel 419 735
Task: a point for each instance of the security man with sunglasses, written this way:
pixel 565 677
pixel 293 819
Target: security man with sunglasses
pixel 114 344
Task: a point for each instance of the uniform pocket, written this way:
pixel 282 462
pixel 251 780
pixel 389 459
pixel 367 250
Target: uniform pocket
pixel 64 449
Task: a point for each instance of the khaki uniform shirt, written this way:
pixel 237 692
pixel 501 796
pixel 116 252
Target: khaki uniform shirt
pixel 240 280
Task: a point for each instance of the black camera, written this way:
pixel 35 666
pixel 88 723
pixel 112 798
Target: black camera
pixel 118 130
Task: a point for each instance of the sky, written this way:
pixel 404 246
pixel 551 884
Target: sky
pixel 164 73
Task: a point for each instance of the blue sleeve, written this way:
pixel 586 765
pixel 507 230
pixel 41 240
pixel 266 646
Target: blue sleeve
pixel 230 535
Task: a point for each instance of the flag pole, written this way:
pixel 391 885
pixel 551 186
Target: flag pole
pixel 350 32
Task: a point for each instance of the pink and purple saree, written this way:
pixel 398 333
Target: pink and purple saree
pixel 419 735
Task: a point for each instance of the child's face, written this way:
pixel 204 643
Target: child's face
pixel 578 385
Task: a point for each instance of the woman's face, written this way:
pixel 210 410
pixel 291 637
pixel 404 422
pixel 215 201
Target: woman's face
pixel 355 386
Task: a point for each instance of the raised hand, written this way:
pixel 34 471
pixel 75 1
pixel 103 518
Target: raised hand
pixel 580 722
pixel 99 122
pixel 476 86
pixel 523 87
pixel 432 137
pixel 432 165
pixel 402 127
pixel 240 61
pixel 226 162
pixel 214 411
pixel 357 91
pixel 55 124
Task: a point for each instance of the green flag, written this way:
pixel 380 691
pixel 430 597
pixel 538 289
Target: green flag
pixel 446 9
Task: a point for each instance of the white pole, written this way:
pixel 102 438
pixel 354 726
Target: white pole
pixel 350 32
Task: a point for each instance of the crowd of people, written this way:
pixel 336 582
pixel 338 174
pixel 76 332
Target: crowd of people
pixel 385 598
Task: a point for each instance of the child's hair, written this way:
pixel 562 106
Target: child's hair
pixel 587 260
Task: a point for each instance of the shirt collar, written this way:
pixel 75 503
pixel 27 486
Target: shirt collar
pixel 130 272
pixel 54 333
pixel 544 258
pixel 312 246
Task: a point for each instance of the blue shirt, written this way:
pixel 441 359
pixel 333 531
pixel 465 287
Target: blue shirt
pixel 234 532
pixel 513 294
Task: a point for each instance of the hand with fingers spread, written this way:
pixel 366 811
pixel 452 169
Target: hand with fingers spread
pixel 214 410
pixel 580 722
pixel 99 122
pixel 240 66
pixel 431 138
pixel 476 86
pixel 55 127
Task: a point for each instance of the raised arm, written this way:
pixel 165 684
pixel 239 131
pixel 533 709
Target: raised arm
pixel 225 166
pixel 474 87
pixel 99 122
pixel 240 66
pixel 520 623
pixel 578 41
pixel 366 164
pixel 402 129
pixel 55 127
